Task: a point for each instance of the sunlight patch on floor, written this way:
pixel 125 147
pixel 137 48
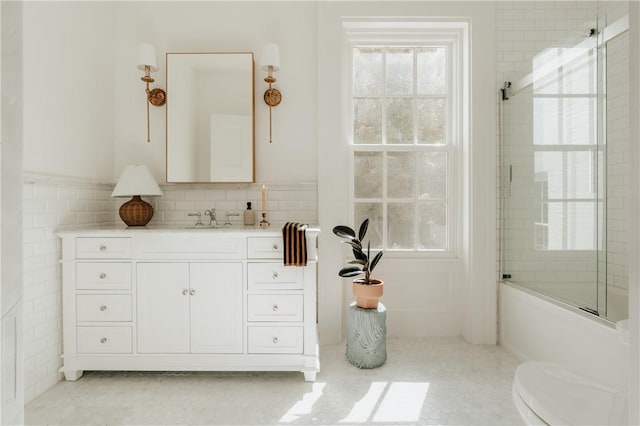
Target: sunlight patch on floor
pixel 395 402
pixel 363 409
pixel 402 402
pixel 305 405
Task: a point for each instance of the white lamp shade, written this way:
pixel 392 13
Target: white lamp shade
pixel 270 57
pixel 147 56
pixel 136 180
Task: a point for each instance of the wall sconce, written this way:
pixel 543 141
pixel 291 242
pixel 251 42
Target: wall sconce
pixel 147 62
pixel 271 63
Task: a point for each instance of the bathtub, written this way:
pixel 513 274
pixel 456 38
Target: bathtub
pixel 582 294
pixel 537 328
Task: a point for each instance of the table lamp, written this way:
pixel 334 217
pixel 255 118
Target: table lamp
pixel 136 181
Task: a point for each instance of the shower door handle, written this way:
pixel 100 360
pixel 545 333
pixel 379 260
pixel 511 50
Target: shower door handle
pixel 509 181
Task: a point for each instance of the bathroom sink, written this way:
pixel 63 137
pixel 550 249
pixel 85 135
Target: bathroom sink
pixel 204 228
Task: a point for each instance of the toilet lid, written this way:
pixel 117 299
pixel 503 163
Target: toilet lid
pixel 562 397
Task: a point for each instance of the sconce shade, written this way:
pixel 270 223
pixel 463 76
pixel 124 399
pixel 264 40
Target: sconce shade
pixel 136 180
pixel 147 56
pixel 270 57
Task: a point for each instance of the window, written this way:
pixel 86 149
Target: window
pixel 405 102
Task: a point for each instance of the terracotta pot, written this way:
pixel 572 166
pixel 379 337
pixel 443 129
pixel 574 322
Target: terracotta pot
pixel 367 295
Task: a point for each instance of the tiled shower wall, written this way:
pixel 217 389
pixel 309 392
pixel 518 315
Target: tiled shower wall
pixel 53 202
pixel 618 182
pixel 524 29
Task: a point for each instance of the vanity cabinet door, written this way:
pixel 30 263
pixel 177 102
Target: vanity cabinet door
pixel 216 307
pixel 163 307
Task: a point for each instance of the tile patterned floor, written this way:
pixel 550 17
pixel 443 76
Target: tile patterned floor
pixel 426 381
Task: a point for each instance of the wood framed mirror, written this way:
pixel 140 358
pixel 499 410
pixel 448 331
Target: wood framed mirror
pixel 210 117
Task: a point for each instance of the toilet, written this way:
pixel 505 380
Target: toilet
pixel 551 394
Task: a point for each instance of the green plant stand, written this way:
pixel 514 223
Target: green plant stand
pixel 367 336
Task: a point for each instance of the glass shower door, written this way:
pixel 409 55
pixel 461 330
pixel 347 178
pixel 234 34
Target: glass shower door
pixel 553 188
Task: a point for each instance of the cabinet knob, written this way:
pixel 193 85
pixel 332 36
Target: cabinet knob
pixel 274 276
pixel 275 340
pixel 103 340
pixel 103 247
pixel 192 291
pixel 103 308
pixel 275 308
pixel 103 275
pixel 185 292
pixel 275 247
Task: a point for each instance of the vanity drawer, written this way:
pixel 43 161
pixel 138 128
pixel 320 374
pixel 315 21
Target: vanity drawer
pixel 99 340
pixel 264 247
pixel 275 340
pixel 274 276
pixel 103 276
pixel 103 248
pixel 275 307
pixel 103 307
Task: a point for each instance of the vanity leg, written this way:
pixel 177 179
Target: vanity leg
pixel 73 375
pixel 309 376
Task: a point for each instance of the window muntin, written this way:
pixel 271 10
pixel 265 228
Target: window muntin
pixel 403 144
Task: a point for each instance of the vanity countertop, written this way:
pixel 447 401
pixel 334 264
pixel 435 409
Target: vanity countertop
pixel 273 230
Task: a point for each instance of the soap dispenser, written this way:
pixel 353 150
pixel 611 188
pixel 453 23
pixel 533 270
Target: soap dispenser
pixel 249 216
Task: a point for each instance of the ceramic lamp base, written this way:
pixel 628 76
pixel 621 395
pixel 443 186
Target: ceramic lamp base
pixel 136 212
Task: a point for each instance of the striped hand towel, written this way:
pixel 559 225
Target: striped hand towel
pixel 295 244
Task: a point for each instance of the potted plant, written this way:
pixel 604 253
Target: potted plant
pixel 367 290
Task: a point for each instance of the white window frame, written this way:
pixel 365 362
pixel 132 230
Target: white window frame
pixel 452 34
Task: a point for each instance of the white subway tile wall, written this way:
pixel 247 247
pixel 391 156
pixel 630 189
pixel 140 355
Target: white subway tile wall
pixel 52 202
pixel 618 178
pixel 285 203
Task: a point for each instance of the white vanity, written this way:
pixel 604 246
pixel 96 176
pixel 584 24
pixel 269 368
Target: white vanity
pixel 187 300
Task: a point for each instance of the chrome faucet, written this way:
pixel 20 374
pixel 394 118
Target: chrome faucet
pixel 212 217
pixel 228 222
pixel 199 222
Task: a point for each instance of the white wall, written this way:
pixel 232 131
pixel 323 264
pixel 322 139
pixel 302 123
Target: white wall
pixel 11 292
pixel 424 297
pixel 49 203
pixel 69 124
pixel 634 213
pixel 69 89
pixel 222 27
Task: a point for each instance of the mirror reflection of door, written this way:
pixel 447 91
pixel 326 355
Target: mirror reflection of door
pixel 230 158
pixel 210 117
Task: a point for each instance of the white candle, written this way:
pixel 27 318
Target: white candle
pixel 264 198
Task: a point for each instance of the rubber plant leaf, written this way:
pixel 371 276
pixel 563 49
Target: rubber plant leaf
pixel 355 244
pixel 350 271
pixel 344 231
pixel 363 229
pixel 359 254
pixel 375 260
